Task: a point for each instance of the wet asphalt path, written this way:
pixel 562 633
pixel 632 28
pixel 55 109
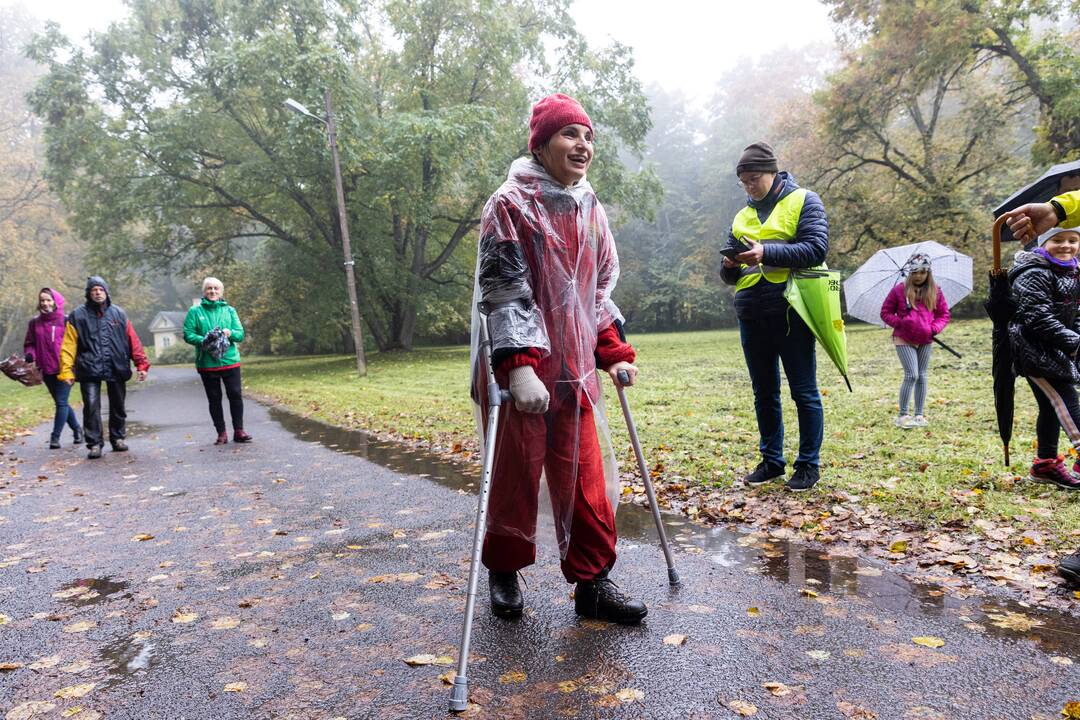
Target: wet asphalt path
pixel 289 579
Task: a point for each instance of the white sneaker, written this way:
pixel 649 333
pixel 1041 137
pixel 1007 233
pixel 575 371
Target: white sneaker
pixel 920 421
pixel 905 422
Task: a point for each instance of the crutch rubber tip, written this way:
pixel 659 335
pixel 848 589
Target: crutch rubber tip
pixel 459 695
pixel 673 576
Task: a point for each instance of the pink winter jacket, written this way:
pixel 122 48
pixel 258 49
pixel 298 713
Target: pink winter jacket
pixel 917 325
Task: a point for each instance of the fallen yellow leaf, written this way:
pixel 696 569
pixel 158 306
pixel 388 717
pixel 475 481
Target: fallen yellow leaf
pixel 448 677
pixel 630 695
pixel 183 615
pixel 778 689
pixel 1071 710
pixel 742 708
pixel 567 686
pixel 79 627
pixel 142 537
pixel 1057 660
pixel 225 623
pixel 1014 621
pixel 428 659
pixel 4 619
pixel 29 710
pixel 74 691
pixel 898 546
pixel 9 666
pixel 753 612
pixel 928 641
pixel 818 654
pixel 236 687
pixel 675 639
pixel 45 662
pixel 364 627
pixel 807 592
pixel 514 676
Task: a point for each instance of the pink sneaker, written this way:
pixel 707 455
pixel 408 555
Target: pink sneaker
pixel 1052 471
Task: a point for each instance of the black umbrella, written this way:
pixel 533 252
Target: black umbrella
pixel 1000 307
pixel 1040 191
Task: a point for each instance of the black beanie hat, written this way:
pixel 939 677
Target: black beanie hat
pixel 758 157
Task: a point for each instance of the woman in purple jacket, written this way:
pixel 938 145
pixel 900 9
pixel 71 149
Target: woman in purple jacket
pixel 917 311
pixel 44 335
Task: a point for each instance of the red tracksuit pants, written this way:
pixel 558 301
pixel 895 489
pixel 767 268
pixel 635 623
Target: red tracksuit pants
pixel 527 444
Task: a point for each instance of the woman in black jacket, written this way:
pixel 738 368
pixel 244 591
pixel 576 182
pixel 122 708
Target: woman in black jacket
pixel 1045 338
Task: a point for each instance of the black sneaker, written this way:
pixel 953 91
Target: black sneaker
pixel 506 598
pixel 602 599
pixel 77 440
pixel 119 446
pixel 764 473
pixel 54 444
pixel 804 478
pixel 95 452
pixel 1069 568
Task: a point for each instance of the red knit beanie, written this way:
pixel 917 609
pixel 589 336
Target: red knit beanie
pixel 552 114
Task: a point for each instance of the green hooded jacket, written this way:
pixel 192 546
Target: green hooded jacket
pixel 203 318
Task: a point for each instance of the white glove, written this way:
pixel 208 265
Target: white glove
pixel 529 393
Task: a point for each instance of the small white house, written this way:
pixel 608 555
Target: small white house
pixel 168 329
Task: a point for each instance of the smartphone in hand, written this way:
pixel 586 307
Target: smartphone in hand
pixel 732 252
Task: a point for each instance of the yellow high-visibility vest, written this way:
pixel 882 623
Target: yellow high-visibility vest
pixel 1070 203
pixel 781 226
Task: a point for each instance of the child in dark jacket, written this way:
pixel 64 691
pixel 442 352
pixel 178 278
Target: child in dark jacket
pixel 1045 337
pixel 917 311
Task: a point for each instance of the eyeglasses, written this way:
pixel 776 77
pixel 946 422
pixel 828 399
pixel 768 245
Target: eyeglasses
pixel 751 180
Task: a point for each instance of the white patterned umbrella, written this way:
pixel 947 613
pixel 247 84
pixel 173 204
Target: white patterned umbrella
pixel 866 289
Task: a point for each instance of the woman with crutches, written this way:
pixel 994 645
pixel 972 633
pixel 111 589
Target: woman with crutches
pixel 546 267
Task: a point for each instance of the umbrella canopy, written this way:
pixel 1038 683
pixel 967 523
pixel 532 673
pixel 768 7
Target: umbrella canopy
pixel 1046 187
pixel 868 286
pixel 815 295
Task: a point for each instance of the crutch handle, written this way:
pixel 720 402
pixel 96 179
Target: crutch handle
pixel 624 377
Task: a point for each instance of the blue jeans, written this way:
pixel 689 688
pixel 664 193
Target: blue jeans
pixel 60 392
pixel 766 344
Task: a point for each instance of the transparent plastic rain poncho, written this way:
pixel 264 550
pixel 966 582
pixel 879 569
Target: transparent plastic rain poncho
pixel 545 270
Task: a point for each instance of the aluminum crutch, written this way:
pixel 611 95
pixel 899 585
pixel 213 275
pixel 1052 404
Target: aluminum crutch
pixel 672 573
pixel 496 397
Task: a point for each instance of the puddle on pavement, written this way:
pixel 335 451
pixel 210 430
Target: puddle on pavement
pixel 128 657
pixel 786 562
pixel 91 591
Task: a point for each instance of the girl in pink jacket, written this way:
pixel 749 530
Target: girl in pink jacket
pixel 917 311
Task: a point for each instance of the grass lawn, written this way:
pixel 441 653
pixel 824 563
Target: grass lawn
pixel 694 410
pixel 22 407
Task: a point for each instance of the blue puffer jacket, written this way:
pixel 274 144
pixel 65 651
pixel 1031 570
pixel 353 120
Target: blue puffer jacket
pixel 765 300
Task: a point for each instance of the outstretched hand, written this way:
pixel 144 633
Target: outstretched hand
pixel 1028 222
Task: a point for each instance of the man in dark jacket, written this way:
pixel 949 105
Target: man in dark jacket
pixel 100 345
pixel 782 227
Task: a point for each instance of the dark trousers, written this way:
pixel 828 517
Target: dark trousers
pixel 91 397
pixel 766 344
pixel 1058 408
pixel 60 392
pixel 212 382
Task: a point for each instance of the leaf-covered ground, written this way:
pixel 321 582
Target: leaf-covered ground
pixel 938 492
pixel 22 407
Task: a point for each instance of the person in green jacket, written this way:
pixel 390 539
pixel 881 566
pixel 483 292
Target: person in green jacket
pixel 210 315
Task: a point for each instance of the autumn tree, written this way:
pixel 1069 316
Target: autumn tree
pixel 36 249
pixel 168 140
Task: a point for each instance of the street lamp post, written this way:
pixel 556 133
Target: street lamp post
pixel 343 221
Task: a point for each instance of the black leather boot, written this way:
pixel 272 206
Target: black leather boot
pixel 600 598
pixel 95 452
pixel 506 598
pixel 119 446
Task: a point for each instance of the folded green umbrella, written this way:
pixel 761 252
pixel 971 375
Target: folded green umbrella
pixel 815 295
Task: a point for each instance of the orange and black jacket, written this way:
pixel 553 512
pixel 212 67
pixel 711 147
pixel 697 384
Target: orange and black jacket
pixel 100 344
